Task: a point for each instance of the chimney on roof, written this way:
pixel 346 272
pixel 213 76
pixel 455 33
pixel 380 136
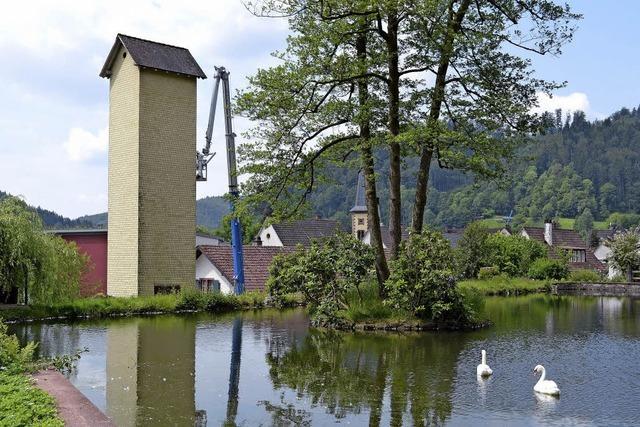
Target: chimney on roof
pixel 257 241
pixel 548 232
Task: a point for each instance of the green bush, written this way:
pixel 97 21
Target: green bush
pixel 585 276
pixel 423 281
pixel 471 252
pixel 545 268
pixel 513 255
pixel 13 357
pixel 325 275
pixel 488 272
pixel 21 403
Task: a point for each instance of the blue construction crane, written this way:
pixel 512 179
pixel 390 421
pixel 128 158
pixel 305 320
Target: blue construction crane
pixel 203 159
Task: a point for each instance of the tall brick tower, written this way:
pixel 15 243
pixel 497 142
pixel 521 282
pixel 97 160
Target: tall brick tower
pixel 152 186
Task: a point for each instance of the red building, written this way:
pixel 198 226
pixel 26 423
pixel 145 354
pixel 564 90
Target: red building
pixel 92 243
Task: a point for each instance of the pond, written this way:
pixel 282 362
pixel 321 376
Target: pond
pixel 269 368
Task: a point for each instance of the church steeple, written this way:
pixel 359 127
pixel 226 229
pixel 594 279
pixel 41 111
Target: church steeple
pixel 359 217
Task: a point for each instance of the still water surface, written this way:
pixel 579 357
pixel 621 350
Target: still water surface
pixel 269 368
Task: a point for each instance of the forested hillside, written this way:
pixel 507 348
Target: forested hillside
pixel 577 168
pixel 52 220
pixel 209 212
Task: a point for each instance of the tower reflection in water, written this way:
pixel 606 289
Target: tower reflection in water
pixel 151 372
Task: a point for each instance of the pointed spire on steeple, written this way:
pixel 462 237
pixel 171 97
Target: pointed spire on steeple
pixel 360 203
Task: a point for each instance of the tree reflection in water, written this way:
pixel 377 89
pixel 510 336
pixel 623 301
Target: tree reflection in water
pixel 410 376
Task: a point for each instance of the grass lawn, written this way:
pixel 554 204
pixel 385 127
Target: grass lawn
pixel 564 223
pixel 112 306
pixel 501 285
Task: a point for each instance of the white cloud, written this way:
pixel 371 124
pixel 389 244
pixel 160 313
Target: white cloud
pixel 54 124
pixel 49 28
pixel 576 101
pixel 83 145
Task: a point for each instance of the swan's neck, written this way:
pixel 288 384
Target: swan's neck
pixel 543 375
pixel 484 357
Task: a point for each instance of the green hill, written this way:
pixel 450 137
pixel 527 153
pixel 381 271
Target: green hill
pixel 577 166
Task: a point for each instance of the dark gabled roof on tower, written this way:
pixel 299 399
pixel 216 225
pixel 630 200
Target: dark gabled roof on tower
pixel 154 55
pixel 360 204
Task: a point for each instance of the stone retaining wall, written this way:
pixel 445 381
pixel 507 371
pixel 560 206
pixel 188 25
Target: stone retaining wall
pixel 597 289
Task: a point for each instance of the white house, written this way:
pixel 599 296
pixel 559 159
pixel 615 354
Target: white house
pixel 582 256
pixel 214 267
pixel 300 232
pixel 205 239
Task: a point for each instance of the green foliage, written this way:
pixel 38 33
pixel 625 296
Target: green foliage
pixel 53 220
pixel 326 274
pixel 13 357
pixel 585 276
pixel 488 272
pixel 111 306
pixel 471 252
pixel 423 282
pixel 513 255
pixel 624 220
pixel 49 267
pixel 584 224
pixel 625 251
pixel 368 306
pixel 22 404
pixel 249 223
pixel 545 268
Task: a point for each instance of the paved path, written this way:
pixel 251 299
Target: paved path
pixel 73 407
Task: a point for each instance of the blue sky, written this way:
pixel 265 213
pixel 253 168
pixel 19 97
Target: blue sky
pixel 54 108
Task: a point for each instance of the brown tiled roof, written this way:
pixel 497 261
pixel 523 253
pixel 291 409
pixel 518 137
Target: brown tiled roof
pixel 257 260
pixel 567 239
pixel 302 232
pixel 386 236
pixel 154 55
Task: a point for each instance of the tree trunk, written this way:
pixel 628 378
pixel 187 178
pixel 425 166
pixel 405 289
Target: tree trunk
pixel 395 200
pixel 437 98
pixel 373 213
pixel 382 269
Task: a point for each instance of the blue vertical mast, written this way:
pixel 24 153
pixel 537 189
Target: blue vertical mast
pixel 202 159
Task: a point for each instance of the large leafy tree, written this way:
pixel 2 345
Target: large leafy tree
pixel 437 78
pixel 625 251
pixel 40 265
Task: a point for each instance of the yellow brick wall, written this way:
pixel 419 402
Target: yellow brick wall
pixel 122 266
pixel 355 227
pixel 167 194
pixel 152 187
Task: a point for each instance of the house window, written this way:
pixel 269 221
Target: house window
pixel 360 234
pixel 360 221
pixel 165 289
pixel 208 285
pixel 578 255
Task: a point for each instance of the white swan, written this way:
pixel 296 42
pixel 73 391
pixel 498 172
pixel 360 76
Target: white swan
pixel 543 385
pixel 483 370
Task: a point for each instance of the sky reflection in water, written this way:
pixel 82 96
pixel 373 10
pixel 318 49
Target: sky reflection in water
pixel 269 368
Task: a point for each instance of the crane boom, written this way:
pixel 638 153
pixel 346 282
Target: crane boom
pixel 203 158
